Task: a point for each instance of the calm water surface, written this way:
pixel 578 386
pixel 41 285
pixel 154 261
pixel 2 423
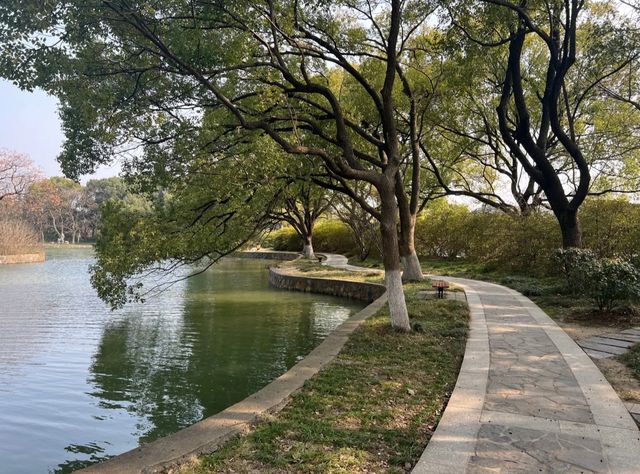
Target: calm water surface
pixel 79 383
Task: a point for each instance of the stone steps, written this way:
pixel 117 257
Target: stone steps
pixel 610 345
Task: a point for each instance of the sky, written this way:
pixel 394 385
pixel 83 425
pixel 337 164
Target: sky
pixel 29 124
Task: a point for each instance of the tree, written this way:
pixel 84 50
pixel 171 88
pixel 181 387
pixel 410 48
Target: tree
pixel 183 228
pixel 142 74
pixel 57 206
pixel 302 207
pixel 97 193
pixel 465 152
pixel 540 117
pixel 17 173
pixel 361 223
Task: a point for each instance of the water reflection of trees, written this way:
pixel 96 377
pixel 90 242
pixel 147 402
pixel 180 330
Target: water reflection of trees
pixel 171 370
pixel 142 366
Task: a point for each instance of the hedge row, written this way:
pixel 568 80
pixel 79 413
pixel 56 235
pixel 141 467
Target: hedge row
pixel 329 235
pixel 611 228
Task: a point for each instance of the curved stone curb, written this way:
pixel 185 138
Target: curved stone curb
pixel 363 291
pixel 209 434
pixel 455 437
pixel 267 255
pixel 478 434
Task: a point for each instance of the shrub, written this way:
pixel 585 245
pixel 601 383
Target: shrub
pixel 611 227
pixel 495 239
pixel 574 264
pixel 328 236
pixel 609 281
pixel 517 243
pixel 284 239
pixel 442 231
pixel 332 235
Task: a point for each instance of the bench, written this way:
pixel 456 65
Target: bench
pixel 440 286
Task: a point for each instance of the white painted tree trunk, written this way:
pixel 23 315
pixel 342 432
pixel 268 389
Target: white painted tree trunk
pixel 412 269
pixel 391 258
pixel 307 250
pixel 397 304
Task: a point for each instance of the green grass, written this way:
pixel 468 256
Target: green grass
pixel 314 269
pixel 632 359
pixel 373 409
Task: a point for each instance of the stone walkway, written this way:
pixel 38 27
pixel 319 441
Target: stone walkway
pixel 528 399
pixel 610 345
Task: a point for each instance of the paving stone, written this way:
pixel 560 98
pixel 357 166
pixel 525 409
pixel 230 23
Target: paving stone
pixel 633 407
pixel 611 342
pixel 602 347
pixel 524 366
pixel 633 331
pixel 623 337
pixel 597 354
pixel 517 449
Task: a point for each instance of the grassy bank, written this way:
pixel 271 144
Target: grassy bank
pixel 373 409
pixel 547 292
pixel 312 268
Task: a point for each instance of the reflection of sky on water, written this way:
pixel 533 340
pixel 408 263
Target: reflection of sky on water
pixel 78 382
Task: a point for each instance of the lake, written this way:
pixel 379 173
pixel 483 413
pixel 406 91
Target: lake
pixel 80 383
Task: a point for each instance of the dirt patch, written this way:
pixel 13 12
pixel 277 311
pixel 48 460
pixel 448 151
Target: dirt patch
pixel 618 318
pixel 621 378
pixel 579 331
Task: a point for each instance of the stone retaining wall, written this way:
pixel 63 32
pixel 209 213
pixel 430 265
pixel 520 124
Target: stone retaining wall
pixel 22 258
pixel 350 289
pixel 267 255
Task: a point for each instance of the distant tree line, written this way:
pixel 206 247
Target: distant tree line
pixel 57 209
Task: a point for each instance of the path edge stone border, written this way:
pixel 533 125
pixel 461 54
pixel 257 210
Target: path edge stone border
pixel 211 433
pixel 453 443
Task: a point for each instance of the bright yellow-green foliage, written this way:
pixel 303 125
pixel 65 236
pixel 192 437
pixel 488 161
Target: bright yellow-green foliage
pixel 498 241
pixel 611 228
pixel 328 236
pixel 506 241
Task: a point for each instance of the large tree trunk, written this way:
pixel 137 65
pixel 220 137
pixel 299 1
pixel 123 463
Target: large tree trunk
pixel 408 211
pixel 410 262
pixel 307 249
pixel 570 228
pixel 391 259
